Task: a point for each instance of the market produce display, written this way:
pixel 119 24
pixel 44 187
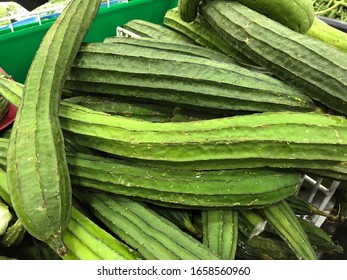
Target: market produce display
pixel 336 9
pixel 186 141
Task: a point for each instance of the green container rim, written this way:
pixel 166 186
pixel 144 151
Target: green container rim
pixel 18 48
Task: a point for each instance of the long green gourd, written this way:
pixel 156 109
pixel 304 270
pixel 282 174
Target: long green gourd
pixel 249 141
pixel 132 68
pixel 182 188
pixel 37 172
pixel 298 59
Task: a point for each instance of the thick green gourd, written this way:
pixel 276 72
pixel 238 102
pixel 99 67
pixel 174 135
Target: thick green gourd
pixel 315 67
pixel 155 237
pixel 222 188
pixel 183 188
pixel 135 69
pixel 248 141
pixel 37 173
pixel 294 14
pixel 169 187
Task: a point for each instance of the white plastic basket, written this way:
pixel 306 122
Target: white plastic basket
pixel 322 196
pixel 122 32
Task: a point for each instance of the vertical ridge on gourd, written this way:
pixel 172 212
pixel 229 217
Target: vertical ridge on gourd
pixel 298 59
pixel 37 172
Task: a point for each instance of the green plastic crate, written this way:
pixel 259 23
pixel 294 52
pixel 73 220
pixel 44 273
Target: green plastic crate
pixel 18 48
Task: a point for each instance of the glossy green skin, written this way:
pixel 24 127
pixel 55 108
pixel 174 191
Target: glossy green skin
pixel 37 173
pixel 319 69
pixel 220 232
pixel 294 14
pixel 155 237
pixel 283 219
pixel 135 69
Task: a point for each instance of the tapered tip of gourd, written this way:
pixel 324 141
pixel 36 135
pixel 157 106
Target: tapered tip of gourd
pixel 58 246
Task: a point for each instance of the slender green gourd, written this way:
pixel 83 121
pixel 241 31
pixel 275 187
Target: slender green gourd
pixel 37 172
